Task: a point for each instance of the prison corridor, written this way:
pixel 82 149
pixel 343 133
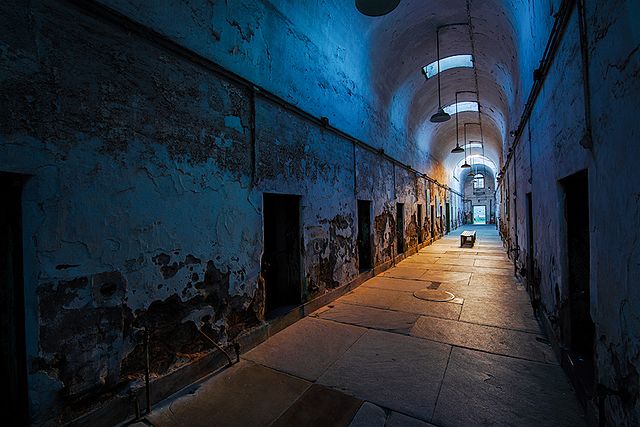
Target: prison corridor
pixel 471 353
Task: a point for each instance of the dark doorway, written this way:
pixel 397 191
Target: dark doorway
pixel 400 227
pixel 364 235
pixel 433 221
pixel 448 218
pixel 13 352
pixel 534 289
pixel 281 257
pixel 581 330
pixel 419 213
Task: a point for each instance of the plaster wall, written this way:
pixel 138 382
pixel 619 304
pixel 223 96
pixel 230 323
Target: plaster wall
pixel 143 204
pixel 549 151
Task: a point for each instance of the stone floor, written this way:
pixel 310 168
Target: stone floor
pixel 380 356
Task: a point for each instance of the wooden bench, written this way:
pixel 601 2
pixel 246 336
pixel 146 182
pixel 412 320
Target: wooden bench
pixel 466 236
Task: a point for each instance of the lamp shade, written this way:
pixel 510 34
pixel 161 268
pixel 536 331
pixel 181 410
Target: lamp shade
pixel 440 116
pixel 376 7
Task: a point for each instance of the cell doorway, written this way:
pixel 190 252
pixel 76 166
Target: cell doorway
pixel 400 227
pixel 364 235
pixel 480 214
pixel 578 325
pixel 281 257
pixel 13 369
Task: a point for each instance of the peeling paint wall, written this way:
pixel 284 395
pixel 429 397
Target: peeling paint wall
pixel 549 151
pixel 143 209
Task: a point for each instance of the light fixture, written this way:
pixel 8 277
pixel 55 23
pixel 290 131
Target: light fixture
pixel 440 116
pixel 376 7
pixel 473 162
pixel 459 149
pixel 466 165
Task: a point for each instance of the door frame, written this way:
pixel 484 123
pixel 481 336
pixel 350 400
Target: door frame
pixel 473 214
pixel 369 237
pixel 419 224
pixel 300 258
pixel 15 184
pixel 400 240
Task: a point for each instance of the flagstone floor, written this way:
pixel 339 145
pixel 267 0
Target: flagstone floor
pixel 380 356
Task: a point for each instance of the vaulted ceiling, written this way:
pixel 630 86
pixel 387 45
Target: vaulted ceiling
pixel 404 41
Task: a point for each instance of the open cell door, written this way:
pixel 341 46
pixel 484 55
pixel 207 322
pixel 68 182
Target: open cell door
pixel 12 320
pixel 281 258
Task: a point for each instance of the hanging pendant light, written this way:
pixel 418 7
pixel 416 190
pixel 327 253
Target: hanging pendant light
pixel 458 149
pixel 376 7
pixel 440 116
pixel 465 165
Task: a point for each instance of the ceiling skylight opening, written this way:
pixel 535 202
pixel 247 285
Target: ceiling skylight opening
pixel 477 159
pixel 462 107
pixel 472 145
pixel 455 61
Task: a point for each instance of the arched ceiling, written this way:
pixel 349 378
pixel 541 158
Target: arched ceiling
pixel 404 41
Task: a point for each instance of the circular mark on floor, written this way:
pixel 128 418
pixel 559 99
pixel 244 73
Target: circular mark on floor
pixel 434 295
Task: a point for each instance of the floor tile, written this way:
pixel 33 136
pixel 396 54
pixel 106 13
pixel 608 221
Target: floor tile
pixel 394 371
pixel 410 304
pixel 485 338
pixel 486 389
pixel 306 348
pixel 493 263
pixel 405 272
pixel 243 395
pixel 456 261
pixel 378 298
pixel 390 283
pixel 447 276
pixel 514 315
pixel 397 419
pixel 369 415
pixel 319 407
pixel 375 318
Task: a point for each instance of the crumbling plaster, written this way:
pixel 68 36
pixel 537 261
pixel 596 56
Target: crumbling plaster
pixel 549 151
pixel 143 209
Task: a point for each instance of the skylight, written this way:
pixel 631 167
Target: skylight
pixel 478 159
pixel 462 107
pixel 454 61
